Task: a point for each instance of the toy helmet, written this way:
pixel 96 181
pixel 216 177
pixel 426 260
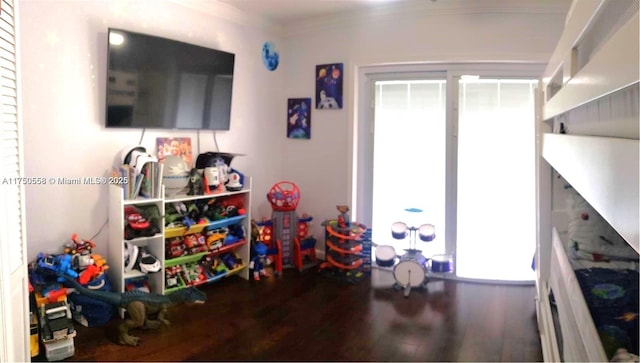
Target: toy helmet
pixel 136 156
pixel 130 256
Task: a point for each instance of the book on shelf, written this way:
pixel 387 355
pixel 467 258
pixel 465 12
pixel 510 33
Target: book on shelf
pixel 146 184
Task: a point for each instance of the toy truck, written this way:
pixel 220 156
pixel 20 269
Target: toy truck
pixel 56 322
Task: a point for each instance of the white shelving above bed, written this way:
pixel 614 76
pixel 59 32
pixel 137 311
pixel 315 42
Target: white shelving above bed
pixel 590 102
pixel 617 59
pixel 605 171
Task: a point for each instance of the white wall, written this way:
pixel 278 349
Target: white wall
pixel 63 70
pixel 321 166
pixel 63 90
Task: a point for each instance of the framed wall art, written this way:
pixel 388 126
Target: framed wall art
pixel 329 86
pixel 299 118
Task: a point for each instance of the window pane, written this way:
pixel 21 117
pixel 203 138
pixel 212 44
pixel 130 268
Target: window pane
pixel 409 160
pixel 496 180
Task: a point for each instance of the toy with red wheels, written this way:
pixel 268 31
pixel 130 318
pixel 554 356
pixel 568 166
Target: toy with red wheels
pixel 284 196
pixel 137 224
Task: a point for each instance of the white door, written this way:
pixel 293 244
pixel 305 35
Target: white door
pixel 14 311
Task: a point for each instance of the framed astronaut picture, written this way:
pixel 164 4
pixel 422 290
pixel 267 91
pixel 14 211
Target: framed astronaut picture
pixel 299 118
pixel 329 86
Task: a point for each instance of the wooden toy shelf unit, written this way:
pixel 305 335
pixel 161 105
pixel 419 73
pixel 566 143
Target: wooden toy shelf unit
pixel 184 257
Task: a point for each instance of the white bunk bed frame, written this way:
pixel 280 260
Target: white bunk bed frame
pixel 603 169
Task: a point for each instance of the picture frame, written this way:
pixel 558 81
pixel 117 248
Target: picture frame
pixel 329 80
pixel 177 146
pixel 299 118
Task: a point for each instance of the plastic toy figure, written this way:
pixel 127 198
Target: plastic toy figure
pixel 259 261
pixel 64 266
pixel 195 182
pixel 344 218
pixel 89 273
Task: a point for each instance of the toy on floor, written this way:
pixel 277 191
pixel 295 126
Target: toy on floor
pixel 304 252
pixel 56 322
pixel 285 235
pixel 259 261
pixel 284 197
pixel 141 306
pixel 413 269
pixel 347 260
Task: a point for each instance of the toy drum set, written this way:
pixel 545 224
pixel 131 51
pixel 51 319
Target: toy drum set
pixel 411 270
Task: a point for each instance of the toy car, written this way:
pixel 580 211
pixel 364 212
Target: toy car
pixel 179 250
pixel 171 277
pixel 137 221
pixel 76 245
pixel 215 238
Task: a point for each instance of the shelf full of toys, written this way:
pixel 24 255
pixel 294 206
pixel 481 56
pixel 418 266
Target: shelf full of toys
pixel 203 225
pixel 136 241
pixel 205 237
pixel 207 268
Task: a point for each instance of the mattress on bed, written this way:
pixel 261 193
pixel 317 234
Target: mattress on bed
pixel 612 298
pixel 606 272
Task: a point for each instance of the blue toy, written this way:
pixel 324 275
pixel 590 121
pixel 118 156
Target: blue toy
pixel 259 261
pixel 56 265
pixel 65 267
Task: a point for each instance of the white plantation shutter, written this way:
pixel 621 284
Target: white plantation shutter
pixel 14 308
pixel 11 167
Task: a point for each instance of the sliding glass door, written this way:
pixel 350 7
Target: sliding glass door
pixel 463 152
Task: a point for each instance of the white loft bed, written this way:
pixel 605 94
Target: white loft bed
pixel 590 91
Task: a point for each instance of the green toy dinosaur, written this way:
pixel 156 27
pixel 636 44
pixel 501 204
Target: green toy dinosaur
pixel 141 306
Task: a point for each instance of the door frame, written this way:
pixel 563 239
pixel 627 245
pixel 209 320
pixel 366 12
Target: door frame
pixel 361 129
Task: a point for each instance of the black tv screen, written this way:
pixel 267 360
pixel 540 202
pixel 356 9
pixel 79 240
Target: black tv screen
pixel 158 83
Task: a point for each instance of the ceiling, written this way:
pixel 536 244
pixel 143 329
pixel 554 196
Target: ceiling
pixel 286 12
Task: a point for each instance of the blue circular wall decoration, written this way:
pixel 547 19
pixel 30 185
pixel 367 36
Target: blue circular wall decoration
pixel 270 56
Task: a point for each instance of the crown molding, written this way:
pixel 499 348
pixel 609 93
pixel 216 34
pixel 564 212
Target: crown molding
pixel 422 8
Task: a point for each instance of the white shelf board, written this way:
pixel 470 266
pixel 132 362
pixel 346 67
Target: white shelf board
pixel 605 171
pixel 613 67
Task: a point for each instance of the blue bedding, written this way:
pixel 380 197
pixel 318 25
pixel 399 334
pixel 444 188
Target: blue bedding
pixel 612 297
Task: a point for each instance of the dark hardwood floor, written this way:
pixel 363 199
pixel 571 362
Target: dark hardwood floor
pixel 307 317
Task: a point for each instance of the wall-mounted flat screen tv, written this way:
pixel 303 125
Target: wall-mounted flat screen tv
pixel 158 83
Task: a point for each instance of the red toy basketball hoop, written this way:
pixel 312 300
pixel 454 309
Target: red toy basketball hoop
pixel 284 196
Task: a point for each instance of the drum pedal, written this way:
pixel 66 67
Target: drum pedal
pixel 407 290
